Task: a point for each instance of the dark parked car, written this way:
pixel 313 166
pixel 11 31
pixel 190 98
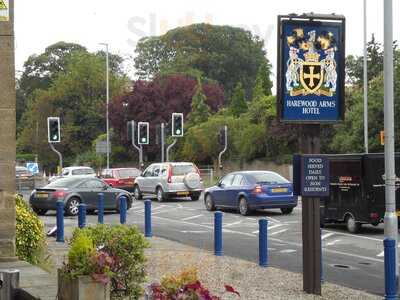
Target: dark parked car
pixel 249 190
pixel 122 178
pixel 75 190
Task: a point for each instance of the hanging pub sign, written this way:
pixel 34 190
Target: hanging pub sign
pixel 311 53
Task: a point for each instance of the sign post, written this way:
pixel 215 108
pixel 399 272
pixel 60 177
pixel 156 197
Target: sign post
pixel 310 91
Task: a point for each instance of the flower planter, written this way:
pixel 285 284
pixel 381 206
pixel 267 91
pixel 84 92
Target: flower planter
pixel 81 288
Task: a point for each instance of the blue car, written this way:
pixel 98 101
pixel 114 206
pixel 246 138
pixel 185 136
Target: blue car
pixel 250 190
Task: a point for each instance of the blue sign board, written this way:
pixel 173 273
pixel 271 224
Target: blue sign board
pixel 311 70
pixel 314 176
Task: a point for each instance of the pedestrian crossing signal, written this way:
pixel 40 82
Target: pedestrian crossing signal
pixel 53 129
pixel 382 137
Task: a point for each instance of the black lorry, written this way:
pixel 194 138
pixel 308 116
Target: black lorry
pixel 357 190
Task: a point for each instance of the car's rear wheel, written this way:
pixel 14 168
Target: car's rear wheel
pixel 137 193
pixel 243 207
pixel 195 197
pixel 71 208
pixel 160 194
pixel 352 225
pixel 287 210
pixel 39 211
pixel 209 203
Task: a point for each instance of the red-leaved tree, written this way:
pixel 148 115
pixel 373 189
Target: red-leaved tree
pixel 154 102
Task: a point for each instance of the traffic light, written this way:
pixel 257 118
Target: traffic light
pixel 143 133
pixel 177 125
pixel 53 129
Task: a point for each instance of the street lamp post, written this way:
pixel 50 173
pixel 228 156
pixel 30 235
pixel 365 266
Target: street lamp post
pixel 108 101
pixel 390 219
pixel 365 81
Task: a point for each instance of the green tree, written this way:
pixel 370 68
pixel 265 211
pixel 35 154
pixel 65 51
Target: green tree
pixel 200 110
pixel 263 84
pixel 77 96
pixel 238 103
pixel 355 64
pixel 222 53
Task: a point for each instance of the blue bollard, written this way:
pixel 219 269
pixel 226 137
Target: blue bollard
pixel 100 209
pixel 321 265
pixel 60 221
pixel 263 242
pixel 390 269
pixel 81 215
pixel 147 219
pixel 122 209
pixel 218 233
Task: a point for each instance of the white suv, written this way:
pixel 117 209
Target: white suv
pixel 167 180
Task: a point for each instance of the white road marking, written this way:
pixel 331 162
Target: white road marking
pixel 192 217
pixel 326 235
pixel 288 251
pixel 355 235
pixel 194 231
pixel 332 243
pixel 275 240
pixel 269 228
pixel 163 211
pixel 279 231
pixel 273 220
pixel 232 224
pixel 381 254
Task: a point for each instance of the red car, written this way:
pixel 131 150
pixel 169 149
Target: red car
pixel 121 178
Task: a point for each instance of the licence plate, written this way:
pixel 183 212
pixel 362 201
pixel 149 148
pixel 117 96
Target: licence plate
pixel 182 193
pixel 280 190
pixel 42 195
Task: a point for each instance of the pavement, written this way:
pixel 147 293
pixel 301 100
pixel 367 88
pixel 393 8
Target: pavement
pixel 354 261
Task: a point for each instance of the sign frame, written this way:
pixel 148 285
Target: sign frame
pixel 311 20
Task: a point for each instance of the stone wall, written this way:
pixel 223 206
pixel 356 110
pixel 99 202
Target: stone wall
pixel 7 138
pixel 285 170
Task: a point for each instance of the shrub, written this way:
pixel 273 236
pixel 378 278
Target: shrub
pixel 30 238
pixel 125 246
pixel 185 285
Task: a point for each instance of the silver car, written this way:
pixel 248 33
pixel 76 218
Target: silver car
pixel 169 180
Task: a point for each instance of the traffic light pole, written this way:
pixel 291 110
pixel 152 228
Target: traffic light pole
pixel 225 148
pixel 140 150
pixel 169 148
pixel 59 156
pixel 162 142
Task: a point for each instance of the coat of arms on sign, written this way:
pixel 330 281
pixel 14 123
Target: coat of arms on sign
pixel 311 67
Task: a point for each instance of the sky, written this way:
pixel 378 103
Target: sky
pixel 121 23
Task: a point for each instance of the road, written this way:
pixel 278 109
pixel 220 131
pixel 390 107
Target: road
pixel 350 260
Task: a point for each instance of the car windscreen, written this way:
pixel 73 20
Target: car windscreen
pixel 267 178
pixel 126 173
pixel 178 170
pixel 82 172
pixel 64 182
